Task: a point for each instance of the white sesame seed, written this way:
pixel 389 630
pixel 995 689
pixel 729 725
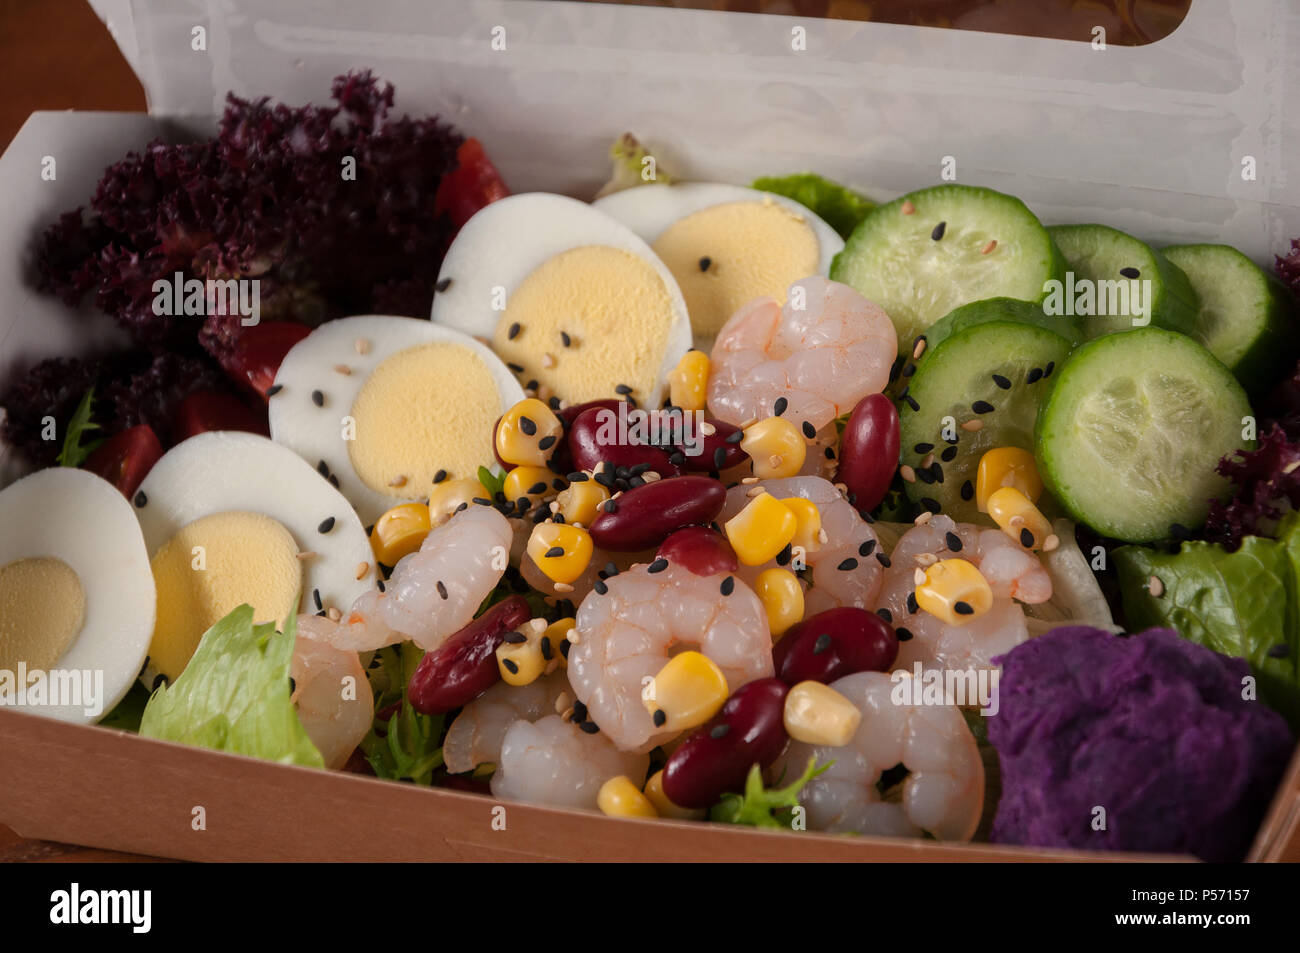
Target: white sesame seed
pixel 563 703
pixel 907 473
pixel 926 559
pixel 399 480
pixel 362 569
pixel 992 244
pixel 754 491
pixel 1051 543
pixel 563 587
pixel 929 459
pixel 333 614
pixel 708 429
pixel 548 360
pixel 1155 587
pixel 748 480
pixel 918 577
pixel 973 425
pixel 918 350
pixel 923 518
pixel 362 346
pixel 307 554
pixel 342 369
pixel 908 207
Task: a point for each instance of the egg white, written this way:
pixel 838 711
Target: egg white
pixel 649 210
pixel 316 433
pixel 83 520
pixel 509 239
pixel 223 471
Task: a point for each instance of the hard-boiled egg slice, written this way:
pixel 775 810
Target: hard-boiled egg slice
pixel 232 517
pixel 725 245
pixel 76 594
pixel 568 297
pixel 379 405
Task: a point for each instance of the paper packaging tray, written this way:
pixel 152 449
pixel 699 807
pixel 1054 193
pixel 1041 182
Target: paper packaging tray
pixel 721 95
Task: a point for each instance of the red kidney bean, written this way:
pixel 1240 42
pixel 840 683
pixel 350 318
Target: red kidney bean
pixel 749 730
pixel 645 515
pixel 588 447
pixel 835 643
pixel 707 459
pixel 465 666
pixel 701 549
pixel 571 413
pixel 869 451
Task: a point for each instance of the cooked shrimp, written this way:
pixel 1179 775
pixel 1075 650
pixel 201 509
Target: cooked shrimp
pixel 626 636
pixel 552 761
pixel 475 736
pixel 434 592
pixel 942 795
pixel 822 358
pixel 848 535
pixel 1013 574
pixel 331 691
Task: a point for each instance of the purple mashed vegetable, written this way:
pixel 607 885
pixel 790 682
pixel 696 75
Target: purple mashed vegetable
pixel 1151 727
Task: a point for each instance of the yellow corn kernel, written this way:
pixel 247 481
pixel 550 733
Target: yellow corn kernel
pixel 527 433
pixel 654 792
pixel 521 657
pixel 954 591
pixel 688 384
pixel 556 633
pixel 808 523
pixel 1006 466
pixel 761 530
pixel 619 797
pixel 1019 518
pixel 446 498
pixel 530 483
pixel 561 551
pixel 776 448
pixel 686 693
pixel 782 597
pixel 817 714
pixel 399 532
pixel 580 501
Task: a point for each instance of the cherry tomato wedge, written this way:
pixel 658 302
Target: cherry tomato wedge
pixel 474 183
pixel 259 351
pixel 125 459
pixel 205 410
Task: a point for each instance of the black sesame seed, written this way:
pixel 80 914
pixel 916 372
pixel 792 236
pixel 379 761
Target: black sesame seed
pixel 517 368
pixel 829 453
pixel 1026 539
pixel 967 491
pixel 822 644
pixel 553 402
pixel 318 398
pixel 885 614
pixel 442 589
pixel 274 389
pixel 882 559
pixel 577 476
pixel 510 665
pixel 911 402
pixel 1002 382
pixel 785 555
pixel 440 476
pixel 963 608
pixel 897 367
pixel 1034 376
pixel 442 285
pixel 867 548
pixel 904 635
pixel 660 717
pixel 924 475
pixel 611 506
pixel 564 647
pixel 778 408
pixel 728 586
pixel 938 231
pixel 719 457
pixel 623 389
pixel 325 526
pixel 923 448
pixel 315 597
pixel 481 500
pixel 527 425
pixel 589 727
pixel 334 481
pixel 159 680
pixel 936 471
pixel 1130 273
pixel 565 339
pixel 719 731
pixel 611 570
pixel 847 565
pixel 546 443
pixel 912 605
pixel 600 587
pixel 909 370
pixel 982 407
pixel 1281 650
pixel 1179 531
pixel 141 499
pixel 931 504
pixel 809 430
pixel 553 552
pixel 659 565
pixel 953 541
pixel 513 332
pixel 547 652
pixel 677 458
pixel 380 584
pixel 706 263
pixel 515 638
pixel 537 488
pixel 948 455
pixel 532 384
pixel 579 711
pixel 1047 371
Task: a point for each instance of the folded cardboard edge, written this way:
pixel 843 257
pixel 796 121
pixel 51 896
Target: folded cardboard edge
pixel 113 790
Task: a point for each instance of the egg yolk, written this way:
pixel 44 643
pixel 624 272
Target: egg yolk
pixel 586 321
pixel 427 408
pixel 42 610
pixel 212 566
pixel 730 254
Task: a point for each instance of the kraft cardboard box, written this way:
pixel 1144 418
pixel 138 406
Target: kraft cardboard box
pixel 1181 140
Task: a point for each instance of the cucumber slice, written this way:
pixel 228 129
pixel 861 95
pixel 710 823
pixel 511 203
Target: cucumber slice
pixel 995 373
pixel 1246 318
pixel 1001 309
pixel 924 254
pixel 1129 437
pixel 1102 264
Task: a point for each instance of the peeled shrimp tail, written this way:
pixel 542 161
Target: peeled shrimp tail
pixel 552 761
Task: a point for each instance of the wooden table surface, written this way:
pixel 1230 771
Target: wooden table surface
pixel 57 55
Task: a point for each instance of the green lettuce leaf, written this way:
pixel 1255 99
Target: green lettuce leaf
pixel 628 168
pixel 763 807
pixel 127 713
pixel 234 695
pixel 841 208
pixel 75 452
pixel 1245 603
pixel 494 483
pixel 407 745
